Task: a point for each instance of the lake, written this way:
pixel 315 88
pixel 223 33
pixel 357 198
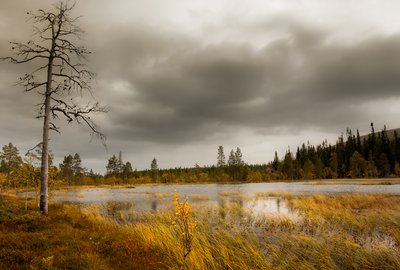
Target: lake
pixel 252 197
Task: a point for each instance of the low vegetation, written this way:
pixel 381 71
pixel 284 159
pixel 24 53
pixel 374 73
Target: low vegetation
pixel 352 231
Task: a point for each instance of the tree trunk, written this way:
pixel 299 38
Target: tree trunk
pixel 44 177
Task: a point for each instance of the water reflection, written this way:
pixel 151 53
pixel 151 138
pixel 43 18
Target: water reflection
pixel 222 197
pixel 154 205
pixel 226 207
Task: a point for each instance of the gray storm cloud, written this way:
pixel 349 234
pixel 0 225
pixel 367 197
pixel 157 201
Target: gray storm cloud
pixel 166 86
pixel 183 94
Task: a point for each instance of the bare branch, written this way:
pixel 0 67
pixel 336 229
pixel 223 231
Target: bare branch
pixel 33 148
pixel 16 61
pixel 34 86
pixel 80 114
pixel 54 127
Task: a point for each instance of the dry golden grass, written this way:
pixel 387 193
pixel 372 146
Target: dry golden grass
pixel 199 197
pixel 229 193
pixel 352 231
pixel 285 195
pixel 361 181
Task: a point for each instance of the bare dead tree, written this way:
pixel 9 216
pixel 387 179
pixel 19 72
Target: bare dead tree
pixel 60 73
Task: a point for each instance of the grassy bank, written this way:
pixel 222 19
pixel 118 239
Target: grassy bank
pixel 350 231
pixel 361 181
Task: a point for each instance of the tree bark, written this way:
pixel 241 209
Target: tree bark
pixel 44 178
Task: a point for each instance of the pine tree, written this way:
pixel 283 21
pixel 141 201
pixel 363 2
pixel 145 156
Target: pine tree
pixel 275 163
pixel 232 165
pixel 239 157
pixel 221 157
pixel 309 170
pixel 333 164
pixel 232 159
pixel 77 168
pixel 112 166
pixel 120 164
pixel 397 146
pixel 359 146
pixel 154 169
pixel 383 165
pixel 66 169
pixel 371 170
pixel 288 165
pixel 10 160
pixel 127 170
pixel 319 168
pixel 357 165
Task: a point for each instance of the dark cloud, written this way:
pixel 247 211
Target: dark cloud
pixel 167 87
pixel 190 94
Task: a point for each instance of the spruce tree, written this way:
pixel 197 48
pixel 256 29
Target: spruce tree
pixel 232 159
pixel 77 168
pixel 221 157
pixel 239 157
pixel 10 160
pixel 66 169
pixel 154 169
pixel 113 166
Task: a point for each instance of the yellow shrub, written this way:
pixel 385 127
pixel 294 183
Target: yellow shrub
pixel 184 223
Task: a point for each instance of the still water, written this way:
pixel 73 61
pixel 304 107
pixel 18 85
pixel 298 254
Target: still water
pixel 250 196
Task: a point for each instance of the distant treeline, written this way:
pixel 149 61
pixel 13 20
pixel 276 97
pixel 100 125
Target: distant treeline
pixel 374 155
pixel 353 156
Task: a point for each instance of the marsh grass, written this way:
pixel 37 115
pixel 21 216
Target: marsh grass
pixel 284 195
pixel 362 181
pixel 229 193
pixel 352 231
pixel 199 197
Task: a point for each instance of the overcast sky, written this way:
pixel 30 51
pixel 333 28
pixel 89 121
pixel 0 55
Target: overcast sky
pixel 182 77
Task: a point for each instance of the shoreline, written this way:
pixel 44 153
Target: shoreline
pixel 341 181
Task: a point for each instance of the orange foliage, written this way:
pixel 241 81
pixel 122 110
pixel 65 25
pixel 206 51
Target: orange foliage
pixel 2 179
